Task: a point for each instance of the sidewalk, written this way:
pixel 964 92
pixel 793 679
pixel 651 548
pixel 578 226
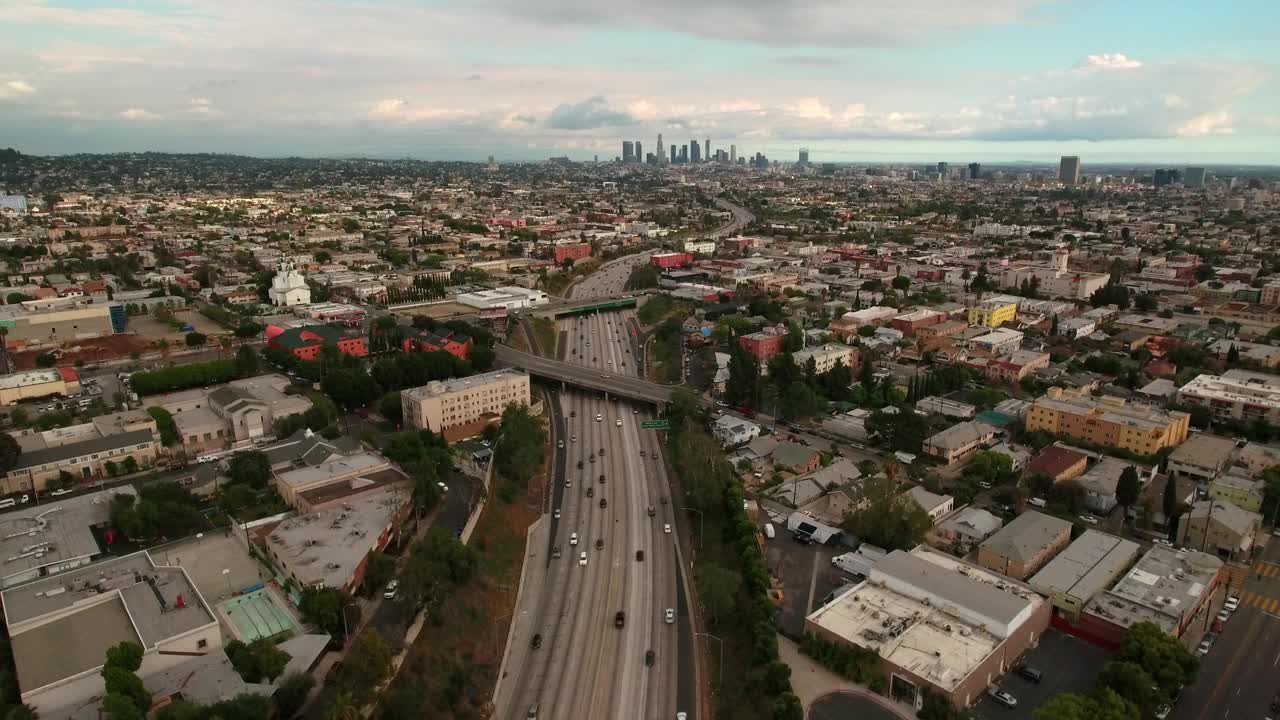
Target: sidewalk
pixel 810 681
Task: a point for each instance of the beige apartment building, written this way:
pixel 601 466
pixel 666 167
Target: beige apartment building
pixel 1108 422
pixel 826 356
pixel 1235 395
pixel 448 404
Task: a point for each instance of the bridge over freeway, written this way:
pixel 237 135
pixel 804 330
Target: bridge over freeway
pixel 582 377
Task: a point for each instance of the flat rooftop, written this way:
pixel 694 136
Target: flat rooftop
pixel 52 533
pixel 338 467
pixel 440 387
pixel 326 547
pixel 1087 565
pixel 31 377
pixel 82 612
pixel 1164 586
pixel 908 633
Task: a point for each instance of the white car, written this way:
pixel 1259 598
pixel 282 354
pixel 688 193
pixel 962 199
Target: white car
pixel 573 538
pixel 599 417
pixel 1089 519
pixel 666 528
pixel 560 444
pixel 392 588
pixel 568 482
pixel 618 423
pixel 573 439
pixel 582 558
pixel 68 491
pixel 443 488
pixel 1224 615
pixel 1231 605
pixel 670 616
pixel 1002 697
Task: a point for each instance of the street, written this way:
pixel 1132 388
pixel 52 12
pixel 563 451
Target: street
pixel 1241 674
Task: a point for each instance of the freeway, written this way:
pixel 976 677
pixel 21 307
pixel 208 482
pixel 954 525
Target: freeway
pixel 589 376
pixel 741 218
pixel 585 666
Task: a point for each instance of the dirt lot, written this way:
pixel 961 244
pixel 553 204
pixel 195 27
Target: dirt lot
pixel 91 351
pixel 148 327
pixel 454 664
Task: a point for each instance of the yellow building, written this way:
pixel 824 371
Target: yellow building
pixel 1107 422
pixel 38 384
pixel 993 312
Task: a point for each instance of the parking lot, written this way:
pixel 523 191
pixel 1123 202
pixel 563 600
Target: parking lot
pixel 806 575
pixel 1069 666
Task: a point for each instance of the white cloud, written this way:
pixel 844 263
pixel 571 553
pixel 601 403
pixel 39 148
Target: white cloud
pixel 15 89
pixel 1213 123
pixel 1110 61
pixel 139 115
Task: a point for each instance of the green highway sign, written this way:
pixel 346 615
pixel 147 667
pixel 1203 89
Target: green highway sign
pixel 655 424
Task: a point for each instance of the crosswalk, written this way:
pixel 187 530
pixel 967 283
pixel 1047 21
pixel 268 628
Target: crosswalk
pixel 1266 569
pixel 1265 603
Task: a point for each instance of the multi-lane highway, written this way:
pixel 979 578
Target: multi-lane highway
pixel 613 556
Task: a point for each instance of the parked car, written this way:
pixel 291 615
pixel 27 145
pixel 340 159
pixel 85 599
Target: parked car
pixel 1224 615
pixel 61 491
pixel 393 587
pixel 1002 697
pixel 1232 604
pixel 1029 673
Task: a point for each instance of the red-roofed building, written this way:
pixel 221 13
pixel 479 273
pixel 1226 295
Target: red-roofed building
pixel 572 252
pixel 69 375
pixel 671 260
pixel 305 342
pixel 762 345
pixel 454 343
pixel 1058 463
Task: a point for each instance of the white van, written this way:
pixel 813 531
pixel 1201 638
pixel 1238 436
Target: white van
pixel 8 503
pixel 1038 502
pixel 769 532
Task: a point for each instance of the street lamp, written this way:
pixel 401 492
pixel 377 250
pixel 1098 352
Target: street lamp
pixel 720 653
pixel 700 522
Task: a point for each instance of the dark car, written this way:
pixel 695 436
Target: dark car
pixel 1218 626
pixel 619 619
pixel 648 658
pixel 1275 703
pixel 601 478
pixel 603 503
pixel 652 512
pixel 639 556
pixel 1029 673
pixel 601 452
pixel 536 642
pixel 599 543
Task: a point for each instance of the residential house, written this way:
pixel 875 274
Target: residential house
pixel 969 526
pixel 958 442
pixel 1219 527
pixel 1024 545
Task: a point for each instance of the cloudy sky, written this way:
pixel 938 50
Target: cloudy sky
pixel 958 80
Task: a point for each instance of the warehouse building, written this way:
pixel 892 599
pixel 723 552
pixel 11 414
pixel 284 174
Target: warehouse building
pixel 936 623
pixel 36 384
pixel 1088 566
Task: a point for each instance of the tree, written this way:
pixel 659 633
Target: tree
pixel 343 706
pixel 799 402
pixel 195 339
pixel 1160 655
pixel 743 386
pixel 990 467
pixel 1103 705
pixel 165 424
pixel 367 664
pixel 1131 682
pixel 518 451
pixel 121 707
pixel 326 609
pixel 1145 302
pixel 901 282
pixel 10 451
pixel 130 465
pixel 291 693
pixel 246 362
pixel 1128 487
pixel 390 408
pixel 1233 354
pixel 1172 506
pixel 250 467
pixel 787 707
pixel 126 655
pixel 717 589
pixel 1270 493
pixel 378 571
pixel 888 518
pixel 22 712
pixel 258 660
pixel 903 430
pixel 119 681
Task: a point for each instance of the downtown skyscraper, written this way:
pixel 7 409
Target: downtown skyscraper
pixel 1069 170
pixel 695 152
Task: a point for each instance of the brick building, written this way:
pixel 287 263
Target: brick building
pixel 671 259
pixel 305 342
pixel 454 343
pixel 762 345
pixel 572 252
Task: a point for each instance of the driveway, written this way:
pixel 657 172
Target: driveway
pixel 823 693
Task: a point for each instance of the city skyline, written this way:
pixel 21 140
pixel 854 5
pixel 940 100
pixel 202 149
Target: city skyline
pixel 990 82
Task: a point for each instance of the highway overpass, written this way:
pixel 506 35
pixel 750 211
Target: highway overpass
pixel 582 377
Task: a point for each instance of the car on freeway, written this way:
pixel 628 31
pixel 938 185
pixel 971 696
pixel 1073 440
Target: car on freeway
pixel 555 552
pixel 652 511
pixel 599 543
pixel 591 491
pixel 599 417
pixel 582 558
pixel 573 538
pixel 568 482
pixel 618 423
pixel 1001 696
pixel 556 515
pixel 619 619
pixel 666 528
pixel 648 658
pixel 603 503
pixel 560 444
pixel 669 616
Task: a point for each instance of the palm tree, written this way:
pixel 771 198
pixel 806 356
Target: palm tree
pixel 224 344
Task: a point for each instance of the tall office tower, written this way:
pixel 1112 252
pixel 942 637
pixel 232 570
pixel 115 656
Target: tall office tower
pixel 706 149
pixel 733 153
pixel 661 157
pixel 695 151
pixel 944 170
pixel 628 151
pixel 1193 177
pixel 804 156
pixel 673 153
pixel 1069 170
pixel 1161 177
pixel 975 169
pixel 639 152
pixel 684 154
